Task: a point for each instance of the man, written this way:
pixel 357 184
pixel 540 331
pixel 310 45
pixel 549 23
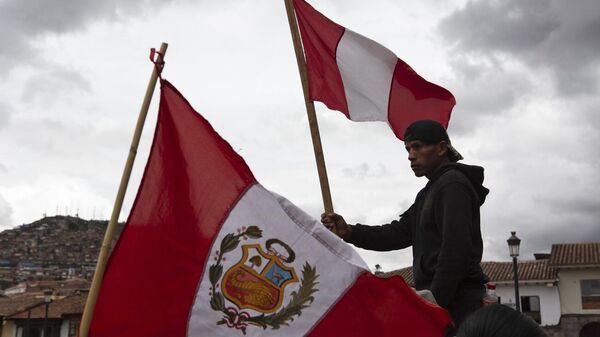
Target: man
pixel 442 225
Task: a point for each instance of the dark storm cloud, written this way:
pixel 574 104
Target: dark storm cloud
pixel 573 209
pixel 559 230
pixel 558 35
pixel 484 89
pixel 506 25
pixel 24 21
pixel 562 208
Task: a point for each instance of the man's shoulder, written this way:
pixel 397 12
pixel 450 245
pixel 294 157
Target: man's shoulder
pixel 468 176
pixel 452 174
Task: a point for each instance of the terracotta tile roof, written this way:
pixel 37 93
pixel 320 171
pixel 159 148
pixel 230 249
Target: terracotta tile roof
pixel 13 304
pixel 405 273
pixel 62 287
pixel 575 254
pixel 69 305
pixel 528 271
pixel 537 270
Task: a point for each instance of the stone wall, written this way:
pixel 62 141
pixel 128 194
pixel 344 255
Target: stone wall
pixel 553 330
pixel 572 324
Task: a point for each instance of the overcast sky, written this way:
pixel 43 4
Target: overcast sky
pixel 525 74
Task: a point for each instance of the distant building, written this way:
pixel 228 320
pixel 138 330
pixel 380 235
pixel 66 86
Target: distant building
pixel 15 290
pixel 22 312
pixel 60 287
pixel 24 315
pixel 560 290
pixel 578 268
pixel 538 288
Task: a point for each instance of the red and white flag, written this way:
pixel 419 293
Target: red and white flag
pixel 208 251
pixel 363 79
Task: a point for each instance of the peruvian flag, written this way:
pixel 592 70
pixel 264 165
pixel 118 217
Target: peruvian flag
pixel 208 251
pixel 364 80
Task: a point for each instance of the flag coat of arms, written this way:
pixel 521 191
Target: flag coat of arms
pixel 208 251
pixel 363 79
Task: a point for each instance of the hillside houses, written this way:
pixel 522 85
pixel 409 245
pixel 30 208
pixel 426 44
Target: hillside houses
pixel 52 248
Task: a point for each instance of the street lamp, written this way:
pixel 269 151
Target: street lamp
pixel 27 323
pixel 47 300
pixel 513 247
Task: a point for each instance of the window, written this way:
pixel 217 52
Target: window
pixel 590 294
pixel 530 305
pixel 73 328
pixel 31 331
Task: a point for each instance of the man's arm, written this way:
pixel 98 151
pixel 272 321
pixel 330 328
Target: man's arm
pixel 395 235
pixel 454 208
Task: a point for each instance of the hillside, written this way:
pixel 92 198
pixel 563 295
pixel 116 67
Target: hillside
pixel 50 248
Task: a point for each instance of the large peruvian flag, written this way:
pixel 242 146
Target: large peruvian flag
pixel 361 78
pixel 208 251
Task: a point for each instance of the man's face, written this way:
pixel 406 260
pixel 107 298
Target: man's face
pixel 425 158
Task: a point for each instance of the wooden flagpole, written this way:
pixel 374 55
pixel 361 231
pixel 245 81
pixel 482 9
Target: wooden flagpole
pixel 310 108
pixel 112 225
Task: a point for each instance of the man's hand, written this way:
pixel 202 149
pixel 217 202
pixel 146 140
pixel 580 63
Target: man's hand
pixel 336 223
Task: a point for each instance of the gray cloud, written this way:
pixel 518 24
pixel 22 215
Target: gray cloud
pixel 484 89
pixel 548 190
pixel 22 22
pixel 365 170
pixel 52 81
pixel 563 37
pixel 540 232
pixel 4 115
pixel 25 24
pixel 503 25
pixel 5 214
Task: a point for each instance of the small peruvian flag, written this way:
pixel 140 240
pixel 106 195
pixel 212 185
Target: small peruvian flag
pixel 363 79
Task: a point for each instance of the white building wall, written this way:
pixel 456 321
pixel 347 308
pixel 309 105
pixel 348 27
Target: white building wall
pixel 570 289
pixel 18 289
pixel 9 329
pixel 549 299
pixel 64 328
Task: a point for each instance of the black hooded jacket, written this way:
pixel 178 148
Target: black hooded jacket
pixel 443 227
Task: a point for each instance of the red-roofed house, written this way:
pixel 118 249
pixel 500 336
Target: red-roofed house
pixel 23 313
pixel 537 287
pixel 578 268
pixel 560 290
pixel 26 315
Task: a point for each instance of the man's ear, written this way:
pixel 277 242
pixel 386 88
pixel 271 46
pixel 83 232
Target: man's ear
pixel 442 148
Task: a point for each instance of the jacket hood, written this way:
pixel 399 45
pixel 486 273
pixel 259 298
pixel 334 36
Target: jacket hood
pixel 473 173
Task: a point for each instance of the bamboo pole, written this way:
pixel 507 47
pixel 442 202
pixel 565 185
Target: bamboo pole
pixel 112 225
pixel 310 109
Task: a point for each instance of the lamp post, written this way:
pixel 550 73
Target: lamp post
pixel 27 323
pixel 47 300
pixel 513 247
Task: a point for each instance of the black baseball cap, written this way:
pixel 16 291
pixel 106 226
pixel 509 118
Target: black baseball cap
pixel 431 132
